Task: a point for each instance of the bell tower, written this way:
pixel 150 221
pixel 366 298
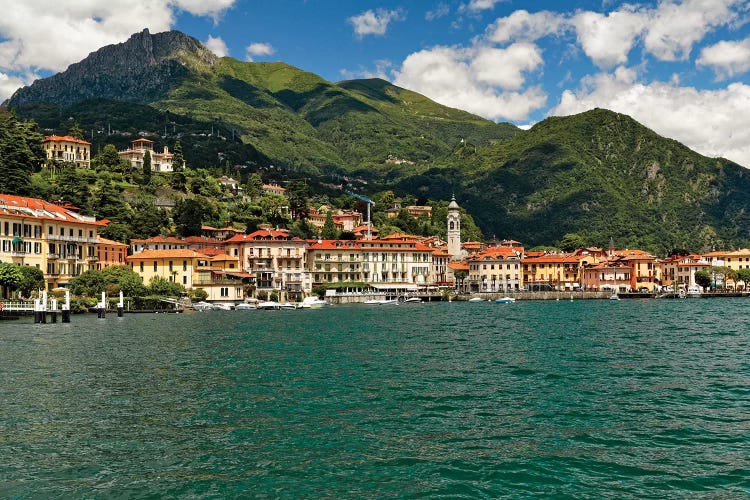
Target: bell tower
pixel 454 229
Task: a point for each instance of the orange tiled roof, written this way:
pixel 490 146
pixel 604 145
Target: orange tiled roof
pixel 459 266
pixel 112 243
pixel 21 206
pixel 64 138
pixel 165 254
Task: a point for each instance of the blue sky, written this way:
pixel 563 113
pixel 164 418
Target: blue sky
pixel 678 66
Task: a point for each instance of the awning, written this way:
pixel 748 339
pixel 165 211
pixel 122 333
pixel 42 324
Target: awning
pixel 16 240
pixel 410 287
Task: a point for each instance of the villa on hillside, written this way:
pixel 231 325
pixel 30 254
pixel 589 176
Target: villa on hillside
pixel 160 162
pixel 68 149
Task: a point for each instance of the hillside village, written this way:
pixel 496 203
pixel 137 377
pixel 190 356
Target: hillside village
pixel 231 266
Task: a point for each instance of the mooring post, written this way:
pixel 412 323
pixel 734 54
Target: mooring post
pixel 44 306
pixel 103 307
pixel 120 306
pixel 53 310
pixel 66 308
pixel 37 312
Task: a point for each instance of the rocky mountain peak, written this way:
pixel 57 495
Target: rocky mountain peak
pixel 143 66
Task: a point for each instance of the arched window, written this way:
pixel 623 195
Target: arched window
pixel 452 224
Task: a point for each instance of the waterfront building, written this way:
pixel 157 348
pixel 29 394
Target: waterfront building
pixel 160 162
pixel 556 271
pixel 496 269
pixel 460 271
pixel 613 276
pixel 385 264
pixel 67 149
pixel 277 260
pixel 57 240
pixel 138 245
pixel 110 253
pixel 644 273
pixel 175 265
pixel 679 270
pixel 441 272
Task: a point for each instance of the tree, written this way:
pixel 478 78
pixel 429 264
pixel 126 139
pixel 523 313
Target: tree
pixel 75 130
pixel 20 154
pixel 89 283
pixel 275 208
pixel 189 215
pixel 109 160
pixel 329 231
pixel 703 278
pixel 32 278
pixel 254 186
pixel 571 242
pixel 179 180
pixel 146 167
pixel 128 280
pixel 164 287
pixel 178 160
pixel 10 277
pixel 298 194
pixel 73 185
pixel 742 275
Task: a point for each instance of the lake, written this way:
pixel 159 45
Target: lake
pixel 583 399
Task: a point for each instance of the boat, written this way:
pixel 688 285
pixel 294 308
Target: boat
pixel 694 291
pixel 505 300
pixel 380 302
pixel 287 306
pixel 413 300
pixel 476 299
pixel 204 306
pixel 244 306
pixel 220 306
pixel 312 303
pixel 269 305
pixel 614 296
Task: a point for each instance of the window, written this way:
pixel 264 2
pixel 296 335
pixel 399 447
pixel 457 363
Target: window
pixel 184 280
pixel 141 266
pixel 184 265
pixel 155 266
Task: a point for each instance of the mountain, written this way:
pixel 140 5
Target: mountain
pixel 298 121
pixel 598 174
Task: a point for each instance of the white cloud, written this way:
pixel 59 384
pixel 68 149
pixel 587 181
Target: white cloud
pixel 382 70
pixel 449 76
pixel 441 10
pixel 373 22
pixel 523 26
pixel 675 27
pixel 607 39
pixel 483 4
pixel 9 84
pixel 726 58
pixel 50 35
pixel 208 8
pixel 258 49
pixel 704 120
pixel 504 67
pixel 217 46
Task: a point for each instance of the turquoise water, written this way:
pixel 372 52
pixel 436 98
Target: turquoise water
pixel 585 399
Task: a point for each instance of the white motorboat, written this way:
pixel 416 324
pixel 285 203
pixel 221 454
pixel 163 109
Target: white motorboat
pixel 413 300
pixel 269 305
pixel 204 306
pixel 476 299
pixel 505 300
pixel 244 306
pixel 312 303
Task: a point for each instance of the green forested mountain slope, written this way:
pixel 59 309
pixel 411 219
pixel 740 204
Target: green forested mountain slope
pixel 601 174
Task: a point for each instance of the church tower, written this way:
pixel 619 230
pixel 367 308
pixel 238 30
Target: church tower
pixel 454 229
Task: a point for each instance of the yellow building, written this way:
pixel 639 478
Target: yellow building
pixel 60 242
pixel 68 149
pixel 179 266
pixel 219 276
